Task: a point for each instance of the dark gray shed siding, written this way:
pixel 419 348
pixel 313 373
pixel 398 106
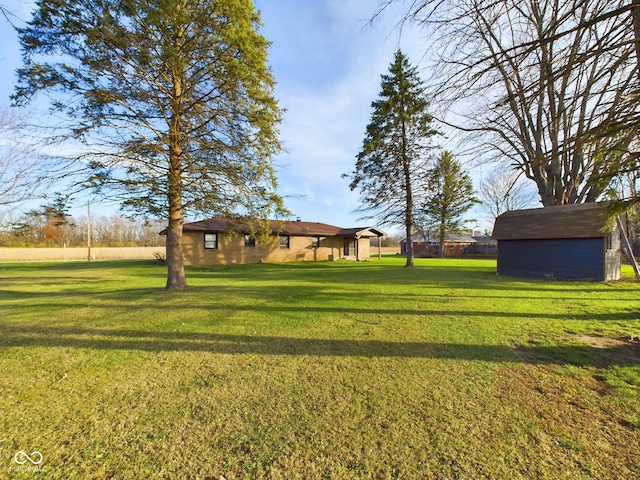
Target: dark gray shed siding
pixel 561 259
pixel 568 242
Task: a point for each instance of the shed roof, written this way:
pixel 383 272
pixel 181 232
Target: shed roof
pixel 297 227
pixel 586 220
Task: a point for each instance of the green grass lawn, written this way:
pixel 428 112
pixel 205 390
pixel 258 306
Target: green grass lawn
pixel 329 370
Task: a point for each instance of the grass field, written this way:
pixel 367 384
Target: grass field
pixel 330 370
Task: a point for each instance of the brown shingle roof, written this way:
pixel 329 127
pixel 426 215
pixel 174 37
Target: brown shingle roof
pixel 361 232
pixel 586 220
pixel 285 227
pixel 297 228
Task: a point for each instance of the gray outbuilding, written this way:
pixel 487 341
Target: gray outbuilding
pixel 565 242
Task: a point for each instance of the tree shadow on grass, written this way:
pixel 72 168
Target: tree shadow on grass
pixel 317 304
pixel 621 353
pixel 600 352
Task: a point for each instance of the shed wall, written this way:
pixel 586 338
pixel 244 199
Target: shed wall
pixel 612 257
pixel 562 259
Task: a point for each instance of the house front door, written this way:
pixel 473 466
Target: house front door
pixel 349 247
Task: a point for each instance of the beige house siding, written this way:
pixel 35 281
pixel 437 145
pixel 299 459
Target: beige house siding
pixel 231 250
pixel 360 249
pixel 334 242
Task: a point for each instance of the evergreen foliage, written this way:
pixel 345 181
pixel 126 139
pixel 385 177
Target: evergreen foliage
pixel 450 197
pixel 171 100
pixel 395 151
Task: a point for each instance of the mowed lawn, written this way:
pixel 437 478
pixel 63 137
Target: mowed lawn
pixel 316 371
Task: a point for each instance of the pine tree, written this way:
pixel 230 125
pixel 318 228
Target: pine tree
pixel 450 197
pixel 171 103
pixel 395 150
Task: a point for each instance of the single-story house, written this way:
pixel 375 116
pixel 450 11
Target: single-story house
pixel 218 241
pixel 565 242
pixel 453 245
pixel 485 245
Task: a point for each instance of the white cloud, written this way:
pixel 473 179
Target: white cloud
pixel 327 63
pixel 328 104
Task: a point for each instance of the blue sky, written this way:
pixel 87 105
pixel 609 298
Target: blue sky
pixel 327 62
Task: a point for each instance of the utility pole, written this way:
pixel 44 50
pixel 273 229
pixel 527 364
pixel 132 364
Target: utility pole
pixel 88 230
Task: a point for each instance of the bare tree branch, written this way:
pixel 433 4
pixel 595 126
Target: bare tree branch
pixel 547 85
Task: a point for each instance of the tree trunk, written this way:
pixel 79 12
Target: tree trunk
pixel 442 231
pixel 409 223
pixel 176 278
pixel 409 234
pixel 408 212
pixel 442 235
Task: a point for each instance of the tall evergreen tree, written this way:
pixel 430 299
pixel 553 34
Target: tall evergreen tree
pixel 450 197
pixel 171 102
pixel 394 152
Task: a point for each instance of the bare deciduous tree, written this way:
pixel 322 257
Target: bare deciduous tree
pixel 22 166
pixel 546 85
pixel 505 189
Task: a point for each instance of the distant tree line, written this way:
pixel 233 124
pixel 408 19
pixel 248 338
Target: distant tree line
pixel 49 227
pixel 386 242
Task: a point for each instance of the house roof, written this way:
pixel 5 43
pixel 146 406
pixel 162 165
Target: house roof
pixel 359 232
pixel 483 238
pixel 295 228
pixel 587 220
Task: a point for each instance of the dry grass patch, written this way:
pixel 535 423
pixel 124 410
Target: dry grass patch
pixel 16 254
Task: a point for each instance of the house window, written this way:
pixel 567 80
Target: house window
pixel 284 241
pixel 315 242
pixel 249 241
pixel 609 242
pixel 211 240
